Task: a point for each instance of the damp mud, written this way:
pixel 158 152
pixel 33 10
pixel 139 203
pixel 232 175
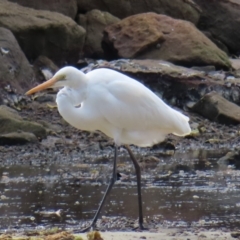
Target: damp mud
pixel 59 182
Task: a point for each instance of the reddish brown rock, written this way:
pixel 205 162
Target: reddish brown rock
pixel 43 33
pixel 94 23
pixel 68 8
pixel 154 36
pixel 180 9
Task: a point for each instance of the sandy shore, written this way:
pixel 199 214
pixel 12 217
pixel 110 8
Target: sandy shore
pixel 165 234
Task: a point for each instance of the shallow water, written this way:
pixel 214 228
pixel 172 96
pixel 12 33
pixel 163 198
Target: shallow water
pixel 188 189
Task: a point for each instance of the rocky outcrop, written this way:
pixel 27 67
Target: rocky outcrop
pixel 68 8
pixel 94 23
pixel 180 9
pixel 15 69
pixel 216 108
pixel 221 19
pixel 43 33
pixel 11 122
pixel 154 36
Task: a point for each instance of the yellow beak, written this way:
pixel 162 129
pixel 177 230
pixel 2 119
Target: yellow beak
pixel 42 86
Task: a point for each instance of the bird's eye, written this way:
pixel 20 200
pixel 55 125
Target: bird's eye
pixel 78 105
pixel 62 78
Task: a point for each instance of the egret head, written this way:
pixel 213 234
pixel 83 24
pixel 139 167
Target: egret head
pixel 65 77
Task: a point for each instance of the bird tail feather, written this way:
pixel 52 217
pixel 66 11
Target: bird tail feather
pixel 182 127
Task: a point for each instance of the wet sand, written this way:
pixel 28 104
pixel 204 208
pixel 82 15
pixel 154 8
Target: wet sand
pixel 165 234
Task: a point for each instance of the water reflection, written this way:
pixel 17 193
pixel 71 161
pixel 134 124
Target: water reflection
pixel 194 191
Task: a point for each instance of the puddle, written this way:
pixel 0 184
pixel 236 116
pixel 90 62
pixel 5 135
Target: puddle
pixel 193 192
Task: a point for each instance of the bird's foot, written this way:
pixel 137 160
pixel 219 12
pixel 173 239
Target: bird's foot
pixel 90 227
pixel 140 227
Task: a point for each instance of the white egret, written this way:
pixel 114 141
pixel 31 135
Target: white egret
pixel 120 107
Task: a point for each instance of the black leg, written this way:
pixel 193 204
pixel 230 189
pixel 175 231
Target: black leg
pixel 138 173
pixel 110 185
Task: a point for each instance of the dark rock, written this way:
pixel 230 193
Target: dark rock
pixel 94 23
pixel 216 41
pixel 216 108
pixel 43 33
pixel 205 68
pixel 44 98
pixel 11 122
pixel 229 158
pixel 14 66
pixel 221 19
pixel 68 8
pixel 154 36
pixel 235 234
pixel 180 9
pixel 166 147
pixel 44 68
pixel 15 138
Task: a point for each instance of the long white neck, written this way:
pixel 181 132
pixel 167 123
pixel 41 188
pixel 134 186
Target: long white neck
pixel 73 115
pixel 78 84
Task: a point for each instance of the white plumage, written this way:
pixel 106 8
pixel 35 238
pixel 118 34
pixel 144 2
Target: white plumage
pixel 119 106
